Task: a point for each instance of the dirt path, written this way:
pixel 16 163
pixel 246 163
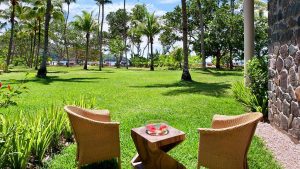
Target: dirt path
pixel 286 152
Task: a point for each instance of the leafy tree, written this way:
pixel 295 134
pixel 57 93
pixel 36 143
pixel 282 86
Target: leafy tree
pixel 86 24
pixel 185 74
pixel 150 28
pixel 116 47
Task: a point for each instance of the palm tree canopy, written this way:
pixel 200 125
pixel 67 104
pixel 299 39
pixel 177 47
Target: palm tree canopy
pixel 69 1
pixel 151 26
pixel 85 22
pixel 103 2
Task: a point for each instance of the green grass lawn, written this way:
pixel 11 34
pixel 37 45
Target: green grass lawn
pixel 135 96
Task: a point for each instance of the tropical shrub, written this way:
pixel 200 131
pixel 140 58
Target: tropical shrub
pixel 258 75
pixel 246 97
pixel 9 92
pixel 33 136
pixel 254 96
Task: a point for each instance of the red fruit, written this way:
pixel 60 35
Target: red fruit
pixel 0 85
pixel 163 127
pixel 151 128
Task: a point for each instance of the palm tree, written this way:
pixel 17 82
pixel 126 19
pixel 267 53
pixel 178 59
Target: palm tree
pixel 150 28
pixel 54 10
pixel 14 3
pixel 85 23
pixel 101 3
pixel 185 74
pixel 125 35
pixel 42 72
pixel 68 2
pixel 202 34
pixel 37 12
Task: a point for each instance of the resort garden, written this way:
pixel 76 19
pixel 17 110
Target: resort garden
pixel 182 66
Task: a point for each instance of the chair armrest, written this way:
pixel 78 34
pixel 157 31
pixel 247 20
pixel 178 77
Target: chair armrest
pixel 99 115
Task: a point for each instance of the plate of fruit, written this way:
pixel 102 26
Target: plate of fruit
pixel 157 128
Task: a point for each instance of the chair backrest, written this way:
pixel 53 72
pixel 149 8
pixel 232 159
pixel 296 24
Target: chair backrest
pixel 231 145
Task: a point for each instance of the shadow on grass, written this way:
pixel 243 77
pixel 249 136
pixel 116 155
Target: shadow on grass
pixel 210 89
pixel 109 164
pixel 50 79
pixel 218 73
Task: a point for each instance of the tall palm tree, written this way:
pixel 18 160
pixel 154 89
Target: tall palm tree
pixel 86 24
pixel 68 2
pixel 42 72
pixel 202 34
pixel 38 13
pixel 125 35
pixel 13 3
pixel 101 3
pixel 52 10
pixel 186 76
pixel 150 28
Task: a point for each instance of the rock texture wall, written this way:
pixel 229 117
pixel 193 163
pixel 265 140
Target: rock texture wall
pixel 284 65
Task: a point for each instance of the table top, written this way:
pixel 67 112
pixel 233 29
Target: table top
pixel 173 136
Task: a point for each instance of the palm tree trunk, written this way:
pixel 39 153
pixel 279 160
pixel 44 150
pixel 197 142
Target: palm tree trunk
pixel 101 37
pixel 11 40
pixel 87 50
pixel 202 35
pixel 152 62
pixel 125 36
pixel 185 74
pixel 42 72
pixel 100 50
pixel 38 46
pixel 34 45
pixel 65 36
pixel 31 52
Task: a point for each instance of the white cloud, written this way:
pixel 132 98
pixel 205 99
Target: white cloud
pixel 169 1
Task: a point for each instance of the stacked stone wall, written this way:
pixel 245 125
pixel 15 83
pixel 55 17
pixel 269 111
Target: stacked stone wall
pixel 284 65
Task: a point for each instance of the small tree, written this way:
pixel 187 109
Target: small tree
pixel 86 24
pixel 150 28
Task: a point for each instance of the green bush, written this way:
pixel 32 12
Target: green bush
pixel 246 97
pixel 254 96
pixel 258 75
pixel 32 136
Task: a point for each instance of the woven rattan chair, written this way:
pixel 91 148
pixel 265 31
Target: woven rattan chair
pixel 96 136
pixel 225 145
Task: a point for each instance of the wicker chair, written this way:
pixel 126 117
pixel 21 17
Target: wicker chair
pixel 226 144
pixel 96 136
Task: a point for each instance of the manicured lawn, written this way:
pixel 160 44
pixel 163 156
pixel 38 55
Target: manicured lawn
pixel 135 96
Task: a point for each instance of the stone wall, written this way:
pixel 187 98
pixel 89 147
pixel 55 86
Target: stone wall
pixel 284 65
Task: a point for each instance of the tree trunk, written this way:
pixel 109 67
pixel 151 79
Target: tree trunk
pixel 125 36
pixel 185 74
pixel 230 59
pixel 31 51
pixel 87 50
pixel 151 56
pixel 11 40
pixel 42 72
pixel 65 36
pixel 34 45
pixel 101 39
pixel 218 59
pixel 202 35
pixel 38 47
